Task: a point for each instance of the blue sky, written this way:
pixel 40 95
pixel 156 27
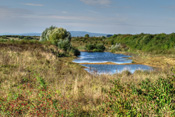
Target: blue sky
pixel 101 16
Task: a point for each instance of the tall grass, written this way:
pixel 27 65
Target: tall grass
pixel 34 81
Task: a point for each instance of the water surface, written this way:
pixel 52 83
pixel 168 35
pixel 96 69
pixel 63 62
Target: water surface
pixel 103 57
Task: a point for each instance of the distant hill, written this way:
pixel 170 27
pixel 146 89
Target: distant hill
pixel 73 33
pixel 82 34
pixel 22 34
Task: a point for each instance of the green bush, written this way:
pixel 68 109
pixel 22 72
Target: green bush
pixel 64 45
pixel 61 38
pixel 45 34
pixel 86 36
pixel 145 99
pixel 59 34
pixel 100 47
pixel 67 47
pixel 95 47
pixel 89 47
pixel 74 51
pixel 157 43
pixel 54 35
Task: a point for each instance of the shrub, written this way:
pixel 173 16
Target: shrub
pixel 61 38
pixel 54 35
pixel 45 34
pixel 67 47
pixel 59 34
pixel 158 43
pixel 148 98
pixel 64 45
pixel 95 47
pixel 115 47
pixel 74 51
pixel 86 36
pixel 89 47
pixel 100 47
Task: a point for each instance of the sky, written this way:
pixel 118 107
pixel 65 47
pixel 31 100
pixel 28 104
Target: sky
pixel 98 16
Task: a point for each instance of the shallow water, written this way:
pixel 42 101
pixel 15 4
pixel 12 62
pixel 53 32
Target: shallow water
pixel 102 57
pixel 112 69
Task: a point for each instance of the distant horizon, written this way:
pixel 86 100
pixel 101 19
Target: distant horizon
pixel 83 32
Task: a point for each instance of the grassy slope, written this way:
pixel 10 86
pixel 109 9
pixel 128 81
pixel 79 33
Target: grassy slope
pixel 35 82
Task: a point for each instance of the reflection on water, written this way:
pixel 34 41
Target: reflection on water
pixel 102 57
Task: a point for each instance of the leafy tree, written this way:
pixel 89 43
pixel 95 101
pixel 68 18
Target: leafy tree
pixel 89 47
pixel 86 36
pixel 95 47
pixel 59 34
pixel 46 33
pixel 61 38
pixel 64 44
pixel 100 47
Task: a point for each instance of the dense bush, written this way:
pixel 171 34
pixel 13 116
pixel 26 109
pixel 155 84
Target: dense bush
pixel 146 99
pixel 68 48
pixel 54 35
pixel 59 34
pixel 86 36
pixel 118 47
pixel 45 34
pixel 115 47
pixel 95 47
pixel 61 38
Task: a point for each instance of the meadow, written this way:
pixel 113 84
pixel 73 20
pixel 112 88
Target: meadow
pixel 39 79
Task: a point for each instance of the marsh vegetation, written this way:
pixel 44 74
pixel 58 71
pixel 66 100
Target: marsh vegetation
pixel 40 79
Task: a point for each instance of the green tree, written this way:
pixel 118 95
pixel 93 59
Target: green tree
pixel 54 35
pixel 100 47
pixel 86 36
pixel 45 34
pixel 61 38
pixel 59 34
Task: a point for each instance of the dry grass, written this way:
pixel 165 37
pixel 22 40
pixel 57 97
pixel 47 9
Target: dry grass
pixel 26 69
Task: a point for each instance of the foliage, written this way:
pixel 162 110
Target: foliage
pixel 74 51
pixel 61 38
pixel 81 42
pixel 54 35
pixel 115 47
pixel 95 47
pixel 59 34
pixel 86 36
pixel 146 99
pixel 45 34
pixel 66 46
pixel 157 43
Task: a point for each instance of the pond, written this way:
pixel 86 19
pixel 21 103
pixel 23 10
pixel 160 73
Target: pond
pixel 108 63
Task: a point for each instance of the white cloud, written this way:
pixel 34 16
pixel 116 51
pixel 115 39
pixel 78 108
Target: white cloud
pixel 96 2
pixel 32 4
